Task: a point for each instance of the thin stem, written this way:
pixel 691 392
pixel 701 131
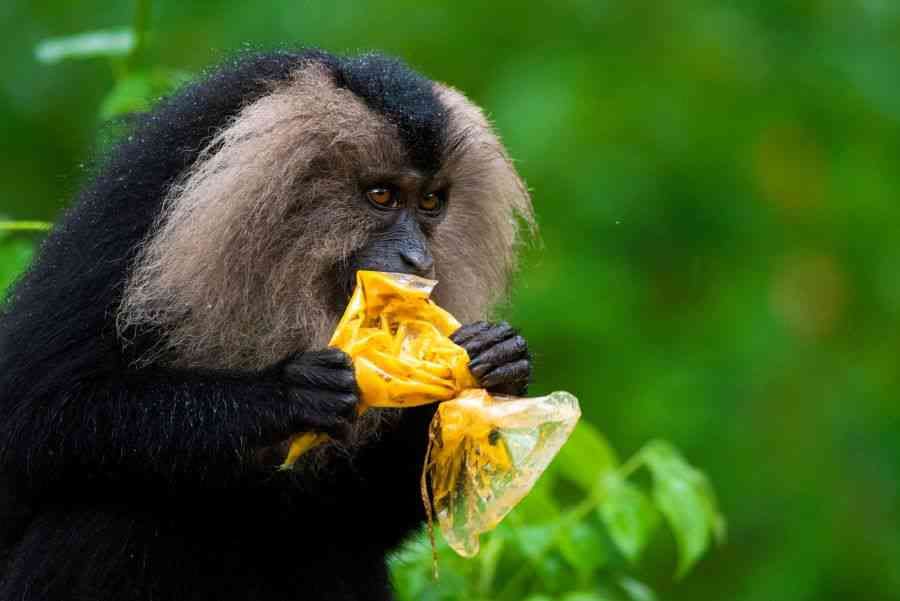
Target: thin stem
pixel 632 465
pixel 24 226
pixel 139 26
pixel 488 565
pixel 119 67
pixel 574 515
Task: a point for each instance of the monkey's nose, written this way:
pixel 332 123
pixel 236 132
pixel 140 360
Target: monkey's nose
pixel 421 261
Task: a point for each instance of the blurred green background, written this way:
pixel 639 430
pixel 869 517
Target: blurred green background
pixel 717 187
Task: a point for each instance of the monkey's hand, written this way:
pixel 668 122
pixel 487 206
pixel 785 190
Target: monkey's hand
pixel 499 357
pixel 323 384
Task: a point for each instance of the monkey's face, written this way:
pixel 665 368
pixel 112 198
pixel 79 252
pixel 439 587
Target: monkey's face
pixel 408 210
pixel 359 166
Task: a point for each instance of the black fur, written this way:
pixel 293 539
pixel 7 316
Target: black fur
pixel 119 483
pixel 406 98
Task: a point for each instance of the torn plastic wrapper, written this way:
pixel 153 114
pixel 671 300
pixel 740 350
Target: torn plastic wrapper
pixel 398 340
pixel 484 455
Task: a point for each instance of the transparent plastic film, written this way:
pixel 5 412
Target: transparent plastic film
pixel 485 453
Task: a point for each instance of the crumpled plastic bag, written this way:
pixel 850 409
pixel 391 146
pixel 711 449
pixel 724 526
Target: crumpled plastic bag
pixel 398 340
pixel 485 453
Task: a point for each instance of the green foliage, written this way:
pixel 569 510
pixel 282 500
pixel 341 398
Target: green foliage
pixel 136 91
pixel 587 443
pixel 685 498
pixel 628 514
pixel 104 43
pixel 136 87
pixel 569 546
pixel 15 255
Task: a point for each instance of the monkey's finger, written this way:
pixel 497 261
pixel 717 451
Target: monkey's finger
pixel 518 372
pixel 508 351
pixel 328 358
pixel 321 407
pixel 468 331
pixel 341 404
pixel 339 380
pixel 336 375
pixel 490 337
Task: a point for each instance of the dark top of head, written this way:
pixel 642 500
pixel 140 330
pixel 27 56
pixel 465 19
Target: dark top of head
pixel 389 87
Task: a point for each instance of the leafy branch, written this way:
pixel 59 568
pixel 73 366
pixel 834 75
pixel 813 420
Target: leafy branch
pixel 569 550
pixel 125 48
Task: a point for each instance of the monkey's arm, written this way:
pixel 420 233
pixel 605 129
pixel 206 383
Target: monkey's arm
pixel 173 427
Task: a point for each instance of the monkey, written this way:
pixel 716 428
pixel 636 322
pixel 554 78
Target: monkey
pixel 171 334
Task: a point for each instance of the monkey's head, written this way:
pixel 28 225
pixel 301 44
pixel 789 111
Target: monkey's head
pixel 348 164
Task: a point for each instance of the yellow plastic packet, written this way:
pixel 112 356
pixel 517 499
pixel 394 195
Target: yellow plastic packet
pixel 485 453
pixel 398 339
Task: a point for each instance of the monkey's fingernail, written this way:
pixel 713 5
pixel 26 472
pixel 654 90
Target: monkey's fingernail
pixel 490 381
pixel 511 372
pixel 469 331
pixel 479 369
pixel 339 358
pixel 488 339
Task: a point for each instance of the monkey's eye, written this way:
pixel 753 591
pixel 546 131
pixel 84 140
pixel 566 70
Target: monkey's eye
pixel 432 202
pixel 383 198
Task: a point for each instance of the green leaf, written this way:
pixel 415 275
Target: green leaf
pixel 90 44
pixel 585 597
pixel 629 516
pixel 539 506
pixel 488 560
pixel 553 574
pixel 411 573
pixel 586 458
pixel 15 255
pixel 24 226
pixel 137 92
pixel 636 590
pixel 534 541
pixel 686 500
pixel 583 547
